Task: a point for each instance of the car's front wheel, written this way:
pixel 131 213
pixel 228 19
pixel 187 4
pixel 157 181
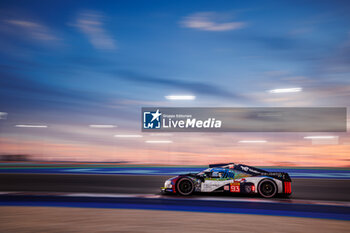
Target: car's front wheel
pixel 185 186
pixel 267 188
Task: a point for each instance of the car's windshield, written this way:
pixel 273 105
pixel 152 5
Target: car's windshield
pixel 202 173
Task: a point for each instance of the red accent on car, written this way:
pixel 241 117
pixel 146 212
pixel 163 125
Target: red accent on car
pixel 253 188
pixel 287 187
pixel 235 188
pixel 173 183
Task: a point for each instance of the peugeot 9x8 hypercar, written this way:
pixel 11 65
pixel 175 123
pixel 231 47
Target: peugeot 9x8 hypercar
pixel 234 178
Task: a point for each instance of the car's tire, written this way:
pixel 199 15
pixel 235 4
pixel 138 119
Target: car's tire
pixel 185 186
pixel 267 188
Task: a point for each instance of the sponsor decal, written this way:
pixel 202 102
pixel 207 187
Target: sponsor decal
pixel 244 168
pixel 226 187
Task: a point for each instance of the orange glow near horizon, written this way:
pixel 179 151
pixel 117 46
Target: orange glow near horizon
pixel 183 153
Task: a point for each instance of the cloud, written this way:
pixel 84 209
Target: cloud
pixel 210 21
pixel 316 92
pixel 33 29
pixel 193 87
pixel 278 42
pixel 338 61
pixel 92 25
pixel 24 94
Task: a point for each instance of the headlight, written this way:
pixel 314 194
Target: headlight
pixel 167 184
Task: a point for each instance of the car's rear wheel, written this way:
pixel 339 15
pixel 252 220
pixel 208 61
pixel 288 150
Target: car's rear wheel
pixel 267 188
pixel 185 186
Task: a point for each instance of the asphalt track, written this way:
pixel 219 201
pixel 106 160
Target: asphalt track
pixel 321 210
pixel 59 219
pixel 306 189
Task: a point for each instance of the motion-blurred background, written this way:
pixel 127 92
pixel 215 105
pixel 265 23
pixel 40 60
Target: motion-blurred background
pixel 75 74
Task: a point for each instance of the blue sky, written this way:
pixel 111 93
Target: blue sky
pixel 81 62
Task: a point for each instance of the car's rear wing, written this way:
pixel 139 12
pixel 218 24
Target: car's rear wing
pixel 278 175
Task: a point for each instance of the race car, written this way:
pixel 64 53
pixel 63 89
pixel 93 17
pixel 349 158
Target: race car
pixel 233 178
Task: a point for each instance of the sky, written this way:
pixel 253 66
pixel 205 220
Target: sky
pixel 71 64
